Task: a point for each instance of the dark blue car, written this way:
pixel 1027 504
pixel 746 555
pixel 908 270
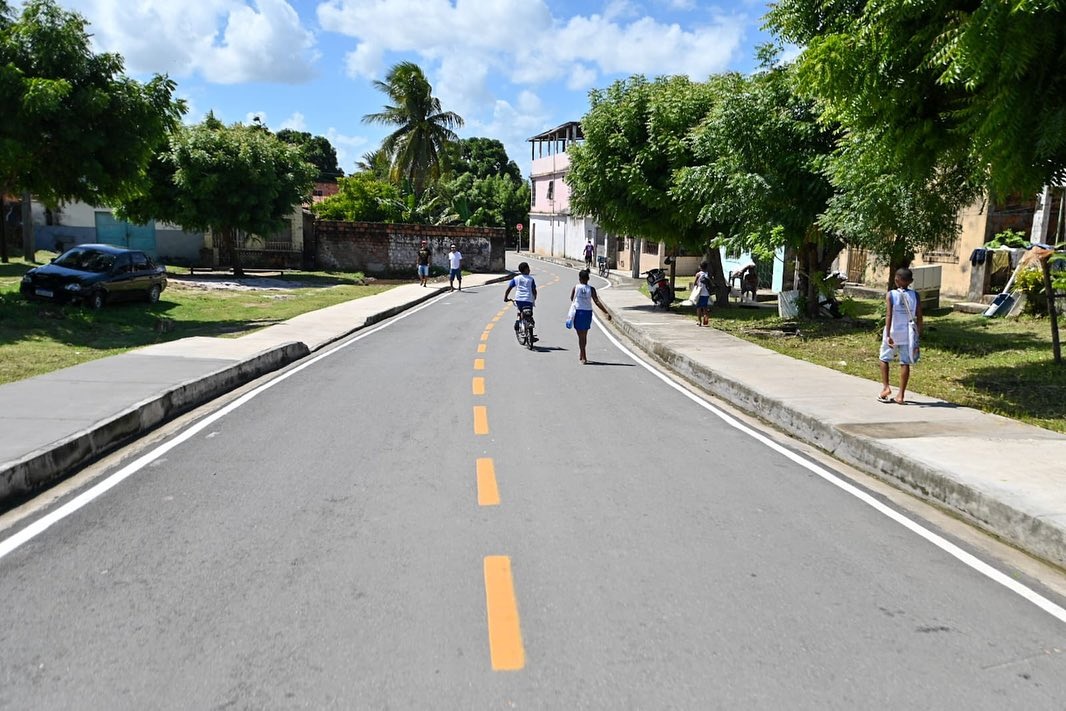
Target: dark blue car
pixel 95 274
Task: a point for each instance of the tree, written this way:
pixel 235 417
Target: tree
pixel 376 163
pixel 484 186
pixel 317 150
pixel 635 138
pixel 759 160
pixel 482 158
pixel 940 103
pixel 74 127
pixel 362 197
pixel 423 130
pixel 224 179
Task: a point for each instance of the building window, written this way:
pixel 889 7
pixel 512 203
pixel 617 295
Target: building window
pixel 650 247
pixel 620 246
pixel 943 255
pixel 532 192
pixel 551 189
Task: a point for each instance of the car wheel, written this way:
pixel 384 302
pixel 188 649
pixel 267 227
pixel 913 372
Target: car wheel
pixel 96 300
pixel 153 294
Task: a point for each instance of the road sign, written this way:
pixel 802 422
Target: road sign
pixel 518 227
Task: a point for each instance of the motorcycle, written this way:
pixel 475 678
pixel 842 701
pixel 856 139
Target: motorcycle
pixel 659 288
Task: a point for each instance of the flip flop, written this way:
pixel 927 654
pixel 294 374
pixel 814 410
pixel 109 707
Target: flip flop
pixel 885 398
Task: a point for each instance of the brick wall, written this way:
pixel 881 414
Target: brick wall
pixel 379 248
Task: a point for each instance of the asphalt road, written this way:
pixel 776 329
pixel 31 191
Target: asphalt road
pixel 361 535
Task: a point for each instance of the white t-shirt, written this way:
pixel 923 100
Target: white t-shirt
pixel 455 259
pixel 523 287
pixel 583 297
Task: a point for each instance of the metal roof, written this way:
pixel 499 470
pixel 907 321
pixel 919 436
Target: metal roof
pixel 571 130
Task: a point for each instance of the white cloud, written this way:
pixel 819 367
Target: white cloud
pixel 225 41
pixel 520 39
pixel 251 116
pixel 296 122
pixel 581 77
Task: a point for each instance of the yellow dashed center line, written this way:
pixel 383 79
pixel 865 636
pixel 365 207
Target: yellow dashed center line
pixel 485 336
pixel 490 326
pixel 481 420
pixel 505 632
pixel 488 493
pixel 481 347
pixel 479 386
pixel 479 364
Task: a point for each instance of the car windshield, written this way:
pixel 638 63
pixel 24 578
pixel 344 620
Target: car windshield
pixel 87 260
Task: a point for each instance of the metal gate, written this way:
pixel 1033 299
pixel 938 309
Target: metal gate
pixel 124 234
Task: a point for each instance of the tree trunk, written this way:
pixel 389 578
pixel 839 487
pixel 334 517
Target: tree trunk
pixel 229 238
pixel 1052 312
pixel 713 257
pixel 3 227
pixel 29 252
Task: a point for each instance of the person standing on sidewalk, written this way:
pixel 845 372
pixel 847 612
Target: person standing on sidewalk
pixel 455 267
pixel 702 287
pixel 903 327
pixel 583 296
pixel 423 263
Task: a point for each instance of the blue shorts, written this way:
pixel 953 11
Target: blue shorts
pixel 423 270
pixel 455 274
pixel 582 320
pixel 703 301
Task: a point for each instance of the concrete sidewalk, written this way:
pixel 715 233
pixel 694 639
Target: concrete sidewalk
pixel 1006 477
pixel 57 422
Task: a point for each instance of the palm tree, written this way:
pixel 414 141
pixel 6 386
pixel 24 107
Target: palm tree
pixel 377 163
pixel 423 129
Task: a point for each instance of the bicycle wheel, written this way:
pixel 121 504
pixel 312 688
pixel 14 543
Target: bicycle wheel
pixel 520 333
pixel 529 337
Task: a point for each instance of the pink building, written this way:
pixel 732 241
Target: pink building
pixel 553 229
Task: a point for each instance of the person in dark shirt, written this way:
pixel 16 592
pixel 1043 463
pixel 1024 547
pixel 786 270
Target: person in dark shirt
pixel 423 263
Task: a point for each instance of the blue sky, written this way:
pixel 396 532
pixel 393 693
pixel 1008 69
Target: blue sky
pixel 510 68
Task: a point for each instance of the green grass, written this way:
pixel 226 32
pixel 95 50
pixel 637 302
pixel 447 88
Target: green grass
pixel 1002 366
pixel 37 337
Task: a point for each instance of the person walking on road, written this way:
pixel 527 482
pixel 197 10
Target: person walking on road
pixel 455 268
pixel 582 297
pixel 423 263
pixel 903 328
pixel 701 286
pixel 590 252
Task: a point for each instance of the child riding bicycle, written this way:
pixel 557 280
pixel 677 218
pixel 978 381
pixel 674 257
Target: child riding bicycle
pixel 525 288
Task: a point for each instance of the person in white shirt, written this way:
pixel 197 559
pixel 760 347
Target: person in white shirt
pixel 525 291
pixel 455 267
pixel 583 296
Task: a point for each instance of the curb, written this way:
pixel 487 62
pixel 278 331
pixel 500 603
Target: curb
pixel 1026 531
pixel 1021 529
pixel 47 465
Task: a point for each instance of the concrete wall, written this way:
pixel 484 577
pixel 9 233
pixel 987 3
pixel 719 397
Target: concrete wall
pixel 380 248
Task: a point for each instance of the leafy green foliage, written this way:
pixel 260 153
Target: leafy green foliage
pixel 362 198
pixel 423 129
pixel 484 186
pixel 224 179
pixel 317 150
pixel 951 98
pixel 758 173
pixel 635 137
pixel 74 127
pixel 1008 238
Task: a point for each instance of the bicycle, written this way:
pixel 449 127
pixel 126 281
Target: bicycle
pixel 524 327
pixel 603 270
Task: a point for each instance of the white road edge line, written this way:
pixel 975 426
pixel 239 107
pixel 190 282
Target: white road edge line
pixel 47 521
pixel 939 541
